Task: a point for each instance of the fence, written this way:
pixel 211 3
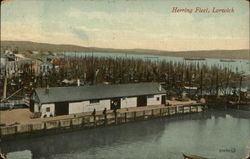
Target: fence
pixel 97 120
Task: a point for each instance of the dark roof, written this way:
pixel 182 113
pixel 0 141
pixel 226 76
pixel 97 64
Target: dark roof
pixel 81 93
pixel 11 56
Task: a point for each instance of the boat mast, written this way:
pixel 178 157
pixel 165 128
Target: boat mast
pixel 201 83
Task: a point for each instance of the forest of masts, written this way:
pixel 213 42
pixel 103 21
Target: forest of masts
pixel 99 70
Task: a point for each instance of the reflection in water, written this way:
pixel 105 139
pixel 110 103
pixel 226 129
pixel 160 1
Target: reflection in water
pixel 205 134
pixel 25 154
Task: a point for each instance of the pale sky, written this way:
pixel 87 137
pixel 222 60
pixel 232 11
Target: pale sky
pixel 146 24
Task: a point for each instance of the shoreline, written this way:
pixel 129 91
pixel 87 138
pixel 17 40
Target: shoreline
pixel 100 120
pixel 196 54
pixel 204 113
pixel 162 128
pixel 26 46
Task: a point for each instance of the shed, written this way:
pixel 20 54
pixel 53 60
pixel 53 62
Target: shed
pixel 70 100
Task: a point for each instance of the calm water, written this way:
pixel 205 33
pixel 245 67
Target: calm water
pixel 239 65
pixel 206 134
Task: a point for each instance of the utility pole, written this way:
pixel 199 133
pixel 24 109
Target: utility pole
pixel 5 87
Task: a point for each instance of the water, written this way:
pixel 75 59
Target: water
pixel 239 65
pixel 207 134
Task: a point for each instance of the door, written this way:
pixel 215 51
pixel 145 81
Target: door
pixel 163 99
pixel 32 105
pixel 61 108
pixel 141 101
pixel 115 103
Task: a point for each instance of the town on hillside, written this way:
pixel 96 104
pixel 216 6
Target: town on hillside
pixel 25 74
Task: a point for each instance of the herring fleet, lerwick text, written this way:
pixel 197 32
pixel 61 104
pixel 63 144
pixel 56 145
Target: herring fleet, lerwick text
pixel 202 10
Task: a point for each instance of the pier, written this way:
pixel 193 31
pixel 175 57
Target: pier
pixel 98 120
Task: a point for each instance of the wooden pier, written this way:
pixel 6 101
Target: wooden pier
pixel 90 121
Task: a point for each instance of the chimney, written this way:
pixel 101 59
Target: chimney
pixel 78 82
pixel 159 87
pixel 47 90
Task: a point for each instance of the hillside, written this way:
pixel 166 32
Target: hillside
pixel 24 46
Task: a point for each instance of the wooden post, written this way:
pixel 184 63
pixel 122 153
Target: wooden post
pixel 152 113
pixel 16 129
pixel 168 111
pixel 105 119
pixel 115 118
pixel 197 108
pixel 164 112
pixel 94 120
pixel 183 109
pixel 160 112
pixel 44 126
pixel 30 127
pixel 190 109
pixel 134 116
pixel 83 122
pixel 125 117
pixel 70 125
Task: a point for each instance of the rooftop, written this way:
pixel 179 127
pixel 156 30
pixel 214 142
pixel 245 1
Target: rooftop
pixel 81 93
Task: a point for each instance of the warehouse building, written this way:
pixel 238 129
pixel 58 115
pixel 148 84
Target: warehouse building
pixel 56 101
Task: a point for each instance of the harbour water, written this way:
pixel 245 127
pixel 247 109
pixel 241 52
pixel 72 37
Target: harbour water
pixel 213 134
pixel 236 65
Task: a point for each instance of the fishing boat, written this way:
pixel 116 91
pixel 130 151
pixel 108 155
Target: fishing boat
pixel 192 157
pixel 194 59
pixel 2 156
pixel 248 156
pixel 224 60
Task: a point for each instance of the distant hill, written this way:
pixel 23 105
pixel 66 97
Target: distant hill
pixel 24 46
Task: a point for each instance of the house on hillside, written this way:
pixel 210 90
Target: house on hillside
pixel 8 64
pixel 71 100
pixel 45 67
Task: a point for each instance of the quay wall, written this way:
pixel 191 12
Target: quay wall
pixel 90 121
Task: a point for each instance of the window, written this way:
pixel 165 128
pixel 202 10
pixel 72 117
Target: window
pixel 94 101
pixel 48 109
pixel 158 98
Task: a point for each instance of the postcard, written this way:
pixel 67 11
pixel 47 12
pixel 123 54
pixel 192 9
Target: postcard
pixel 125 79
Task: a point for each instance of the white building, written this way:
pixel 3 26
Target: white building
pixel 71 100
pixel 8 64
pixel 11 64
pixel 45 67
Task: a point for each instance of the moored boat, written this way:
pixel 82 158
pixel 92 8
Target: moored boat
pixel 248 156
pixel 192 157
pixel 224 60
pixel 2 156
pixel 194 59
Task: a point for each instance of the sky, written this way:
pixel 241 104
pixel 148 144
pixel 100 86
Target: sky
pixel 128 24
